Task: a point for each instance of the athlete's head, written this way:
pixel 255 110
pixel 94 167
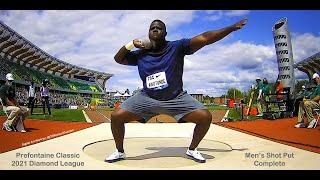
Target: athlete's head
pixel 157 30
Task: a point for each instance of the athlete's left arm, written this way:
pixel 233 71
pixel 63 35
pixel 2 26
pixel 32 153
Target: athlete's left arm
pixel 210 37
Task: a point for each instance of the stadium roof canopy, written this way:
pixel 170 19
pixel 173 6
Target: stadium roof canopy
pixel 15 46
pixel 309 65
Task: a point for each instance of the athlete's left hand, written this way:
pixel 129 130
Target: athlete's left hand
pixel 240 24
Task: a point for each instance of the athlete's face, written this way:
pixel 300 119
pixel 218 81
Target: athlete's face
pixel 157 31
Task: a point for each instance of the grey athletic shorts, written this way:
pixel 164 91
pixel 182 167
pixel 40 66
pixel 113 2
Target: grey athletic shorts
pixel 145 107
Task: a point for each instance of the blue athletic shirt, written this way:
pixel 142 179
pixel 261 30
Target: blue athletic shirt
pixel 161 72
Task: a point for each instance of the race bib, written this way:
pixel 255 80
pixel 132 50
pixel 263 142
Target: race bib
pixel 157 81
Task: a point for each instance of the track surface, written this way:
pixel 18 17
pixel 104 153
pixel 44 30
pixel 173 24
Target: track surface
pixel 37 131
pixel 282 131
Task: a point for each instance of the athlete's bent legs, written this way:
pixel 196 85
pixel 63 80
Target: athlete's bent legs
pixel 118 119
pixel 202 119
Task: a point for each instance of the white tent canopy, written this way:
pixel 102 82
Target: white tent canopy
pixel 126 95
pixel 118 95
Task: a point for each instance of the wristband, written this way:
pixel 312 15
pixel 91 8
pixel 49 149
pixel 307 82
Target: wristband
pixel 129 46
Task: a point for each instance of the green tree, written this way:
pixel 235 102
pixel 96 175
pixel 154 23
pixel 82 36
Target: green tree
pixel 234 92
pixel 248 96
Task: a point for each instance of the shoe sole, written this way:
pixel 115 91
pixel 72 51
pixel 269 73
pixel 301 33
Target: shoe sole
pixel 197 160
pixel 115 160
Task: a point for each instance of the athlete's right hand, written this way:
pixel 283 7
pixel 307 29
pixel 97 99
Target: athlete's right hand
pixel 137 43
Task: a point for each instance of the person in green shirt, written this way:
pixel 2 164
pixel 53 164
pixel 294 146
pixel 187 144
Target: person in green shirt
pixel 11 106
pixel 303 93
pixel 263 97
pixel 307 106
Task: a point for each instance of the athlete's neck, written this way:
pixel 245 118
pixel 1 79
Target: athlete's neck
pixel 158 45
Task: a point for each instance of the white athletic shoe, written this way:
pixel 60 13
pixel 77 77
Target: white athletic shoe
pixel 7 127
pixel 313 124
pixel 300 125
pixel 116 156
pixel 195 155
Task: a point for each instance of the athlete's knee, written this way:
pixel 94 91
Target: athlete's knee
pixel 204 116
pixel 208 116
pixel 116 117
pixel 121 116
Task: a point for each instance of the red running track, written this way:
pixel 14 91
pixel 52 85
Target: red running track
pixel 37 131
pixel 281 131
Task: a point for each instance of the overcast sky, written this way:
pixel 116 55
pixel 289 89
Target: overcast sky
pixel 91 39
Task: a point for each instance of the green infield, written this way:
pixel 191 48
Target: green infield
pixel 57 115
pixel 216 107
pixel 235 115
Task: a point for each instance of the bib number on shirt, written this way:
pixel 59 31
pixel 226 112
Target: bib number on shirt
pixel 157 81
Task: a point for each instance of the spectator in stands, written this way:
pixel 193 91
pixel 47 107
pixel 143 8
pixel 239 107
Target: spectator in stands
pixel 11 106
pixel 307 106
pixel 31 96
pixel 44 90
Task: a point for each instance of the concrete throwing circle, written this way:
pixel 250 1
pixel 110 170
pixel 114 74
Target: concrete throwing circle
pixel 157 152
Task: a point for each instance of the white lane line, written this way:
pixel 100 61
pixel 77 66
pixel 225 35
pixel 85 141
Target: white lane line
pixel 104 116
pixel 225 117
pixel 86 116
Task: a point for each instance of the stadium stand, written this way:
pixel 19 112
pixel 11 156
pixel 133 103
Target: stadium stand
pixel 26 61
pixel 25 74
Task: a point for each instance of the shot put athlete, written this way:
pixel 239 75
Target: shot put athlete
pixel 160 66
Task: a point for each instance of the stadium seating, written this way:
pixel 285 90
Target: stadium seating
pixel 25 74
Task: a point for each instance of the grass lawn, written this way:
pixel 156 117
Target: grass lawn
pixel 212 108
pixel 57 115
pixel 235 115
